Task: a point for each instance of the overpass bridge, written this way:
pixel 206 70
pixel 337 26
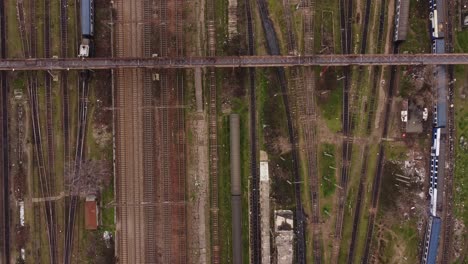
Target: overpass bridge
pixel 231 61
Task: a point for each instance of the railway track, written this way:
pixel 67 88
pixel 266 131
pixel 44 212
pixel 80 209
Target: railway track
pixel 74 189
pixel 49 127
pixel 5 171
pixel 273 49
pixel 137 180
pixel 363 175
pixel 213 136
pixel 180 147
pixel 378 175
pixel 29 44
pixel 358 206
pixel 64 81
pixel 345 21
pixel 149 192
pixel 377 70
pixel 447 247
pixel 254 204
pixel 165 132
pixel 303 89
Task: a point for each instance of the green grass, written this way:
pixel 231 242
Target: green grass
pixel 107 213
pixel 418 37
pixel 327 165
pixel 239 106
pixel 331 107
pixel 14 44
pixel 395 151
pixel 404 237
pixel 461 41
pixel 278 18
pixel 329 6
pixel 461 151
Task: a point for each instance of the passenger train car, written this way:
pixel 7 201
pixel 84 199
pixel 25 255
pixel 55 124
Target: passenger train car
pixel 87 28
pixel 438 18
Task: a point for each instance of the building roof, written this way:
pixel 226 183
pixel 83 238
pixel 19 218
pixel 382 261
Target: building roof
pixel 91 215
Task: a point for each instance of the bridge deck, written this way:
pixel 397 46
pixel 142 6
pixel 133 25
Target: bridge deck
pixel 233 61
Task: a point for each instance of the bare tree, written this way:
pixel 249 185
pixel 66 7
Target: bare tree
pixel 88 177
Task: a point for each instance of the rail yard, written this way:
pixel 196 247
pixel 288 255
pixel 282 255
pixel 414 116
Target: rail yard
pixel 240 131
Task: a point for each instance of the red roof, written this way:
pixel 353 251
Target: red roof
pixel 91 222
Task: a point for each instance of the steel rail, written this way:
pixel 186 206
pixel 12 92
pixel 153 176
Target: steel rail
pixel 232 61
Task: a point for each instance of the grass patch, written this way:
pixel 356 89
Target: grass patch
pixel 330 103
pixel 461 149
pixel 108 212
pixel 239 106
pixel 395 151
pixel 461 41
pixel 400 238
pixel 418 37
pixel 327 165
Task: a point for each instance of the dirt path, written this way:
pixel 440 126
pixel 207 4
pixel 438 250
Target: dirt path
pixel 198 189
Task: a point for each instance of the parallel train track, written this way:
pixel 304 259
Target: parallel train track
pixel 4 199
pixel 375 76
pixel 255 228
pixel 149 192
pixel 380 162
pixel 49 128
pixel 29 44
pixel 345 21
pixel 448 203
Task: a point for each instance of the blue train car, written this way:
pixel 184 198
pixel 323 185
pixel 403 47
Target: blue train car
pixel 87 18
pixel 431 241
pixel 87 27
pixel 441 120
pixel 438 46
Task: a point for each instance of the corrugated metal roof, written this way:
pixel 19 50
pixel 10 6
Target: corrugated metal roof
pixel 91 215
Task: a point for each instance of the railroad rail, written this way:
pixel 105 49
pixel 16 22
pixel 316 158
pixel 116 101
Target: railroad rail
pixel 233 61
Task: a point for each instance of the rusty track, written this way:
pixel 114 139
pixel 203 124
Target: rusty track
pixel 49 126
pixel 5 170
pixel 213 136
pixel 64 80
pixel 307 118
pixel 447 247
pixel 149 179
pixel 29 49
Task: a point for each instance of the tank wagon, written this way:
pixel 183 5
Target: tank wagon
pixel 87 27
pixel 236 190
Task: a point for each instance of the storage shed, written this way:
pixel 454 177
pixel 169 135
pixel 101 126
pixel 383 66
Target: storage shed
pixel 91 213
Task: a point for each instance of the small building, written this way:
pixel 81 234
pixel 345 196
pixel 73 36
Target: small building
pixel 91 213
pixel 265 207
pixel 415 118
